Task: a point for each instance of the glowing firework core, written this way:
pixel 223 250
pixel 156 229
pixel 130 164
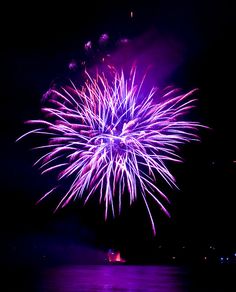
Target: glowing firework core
pixel 113 138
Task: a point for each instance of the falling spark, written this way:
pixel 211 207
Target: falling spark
pixel 113 139
pixel 88 46
pixel 72 65
pixel 103 38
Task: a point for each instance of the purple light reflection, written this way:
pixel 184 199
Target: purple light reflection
pixel 113 278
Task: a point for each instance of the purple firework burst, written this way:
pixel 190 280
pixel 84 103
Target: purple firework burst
pixel 113 139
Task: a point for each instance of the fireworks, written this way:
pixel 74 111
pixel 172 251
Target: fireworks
pixel 112 139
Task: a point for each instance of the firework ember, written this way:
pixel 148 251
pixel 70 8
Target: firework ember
pixel 114 139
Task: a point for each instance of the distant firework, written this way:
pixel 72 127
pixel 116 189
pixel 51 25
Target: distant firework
pixel 113 139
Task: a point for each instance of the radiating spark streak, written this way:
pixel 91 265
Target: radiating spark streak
pixel 28 133
pixel 114 140
pixel 45 195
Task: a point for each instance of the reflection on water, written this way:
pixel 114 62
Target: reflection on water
pixel 99 278
pixel 113 278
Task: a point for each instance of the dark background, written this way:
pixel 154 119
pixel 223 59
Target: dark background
pixel 37 43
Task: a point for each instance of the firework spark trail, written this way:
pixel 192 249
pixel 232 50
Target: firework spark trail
pixel 111 138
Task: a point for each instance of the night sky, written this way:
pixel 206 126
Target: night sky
pixel 37 43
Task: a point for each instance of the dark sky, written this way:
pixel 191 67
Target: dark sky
pixel 38 41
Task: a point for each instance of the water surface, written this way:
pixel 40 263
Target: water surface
pixel 139 278
pixel 130 278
